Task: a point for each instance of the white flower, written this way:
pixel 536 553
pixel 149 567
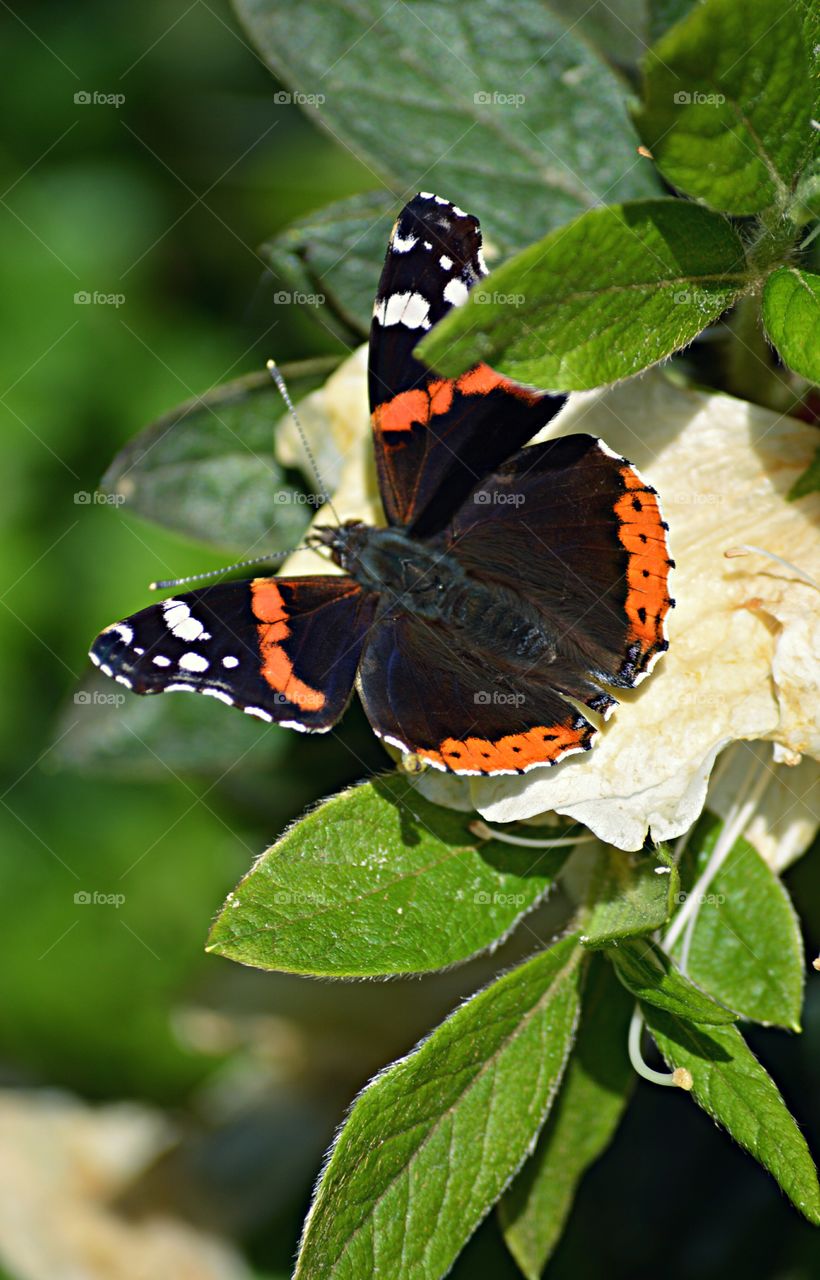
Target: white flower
pixel 744 656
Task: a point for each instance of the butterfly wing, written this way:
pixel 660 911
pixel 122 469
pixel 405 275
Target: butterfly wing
pixel 284 650
pixel 425 692
pixel 434 437
pixel 580 533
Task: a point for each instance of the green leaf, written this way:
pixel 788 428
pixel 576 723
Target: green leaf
pixel 337 254
pixel 809 482
pixel 734 1089
pixel 629 895
pixel 617 28
pixel 503 110
pixel 103 730
pixel 615 291
pixel 663 14
pixel 650 975
pixel 207 469
pixel 584 1117
pixel 727 104
pixel 746 948
pixel 432 1142
pixel 379 881
pixel 791 314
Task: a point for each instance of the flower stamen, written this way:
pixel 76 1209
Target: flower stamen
pixel 679 1078
pixel 747 548
pixel 480 829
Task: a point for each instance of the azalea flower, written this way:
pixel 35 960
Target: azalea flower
pixel 744 658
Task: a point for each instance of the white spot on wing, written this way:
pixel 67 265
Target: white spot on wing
pixel 410 309
pixel 401 244
pixel 194 662
pixel 259 713
pixel 229 661
pixel 456 292
pixel 218 693
pixel 445 262
pixel 161 661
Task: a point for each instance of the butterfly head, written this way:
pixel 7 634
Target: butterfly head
pixel 344 541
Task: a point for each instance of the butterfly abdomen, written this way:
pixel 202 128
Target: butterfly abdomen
pixel 426 581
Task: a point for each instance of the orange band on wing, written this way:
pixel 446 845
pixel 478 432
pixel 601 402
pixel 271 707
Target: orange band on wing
pixel 518 751
pixel 277 669
pixel 422 404
pixel 481 380
pixel 642 532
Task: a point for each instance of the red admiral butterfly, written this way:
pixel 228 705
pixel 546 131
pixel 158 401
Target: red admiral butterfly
pixel 510 584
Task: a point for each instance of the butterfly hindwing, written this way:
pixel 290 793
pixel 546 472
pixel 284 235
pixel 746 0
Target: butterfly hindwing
pixel 282 649
pixel 581 534
pixel 435 437
pixel 424 693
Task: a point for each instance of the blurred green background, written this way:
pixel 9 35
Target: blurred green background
pixel 164 199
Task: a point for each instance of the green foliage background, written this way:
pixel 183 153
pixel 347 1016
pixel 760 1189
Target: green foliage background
pixel 101 199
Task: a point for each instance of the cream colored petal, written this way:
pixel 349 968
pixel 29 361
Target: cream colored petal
pixel 722 468
pixel 336 421
pixel 334 418
pixel 787 815
pixel 65 1167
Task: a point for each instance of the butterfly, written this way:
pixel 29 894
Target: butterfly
pixel 513 590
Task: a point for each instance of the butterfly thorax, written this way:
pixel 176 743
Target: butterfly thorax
pixel 425 579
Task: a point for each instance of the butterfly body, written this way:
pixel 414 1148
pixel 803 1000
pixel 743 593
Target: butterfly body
pixel 421 579
pixel 515 588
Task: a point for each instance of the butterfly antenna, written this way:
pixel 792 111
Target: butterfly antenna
pixel 273 557
pixel 273 370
